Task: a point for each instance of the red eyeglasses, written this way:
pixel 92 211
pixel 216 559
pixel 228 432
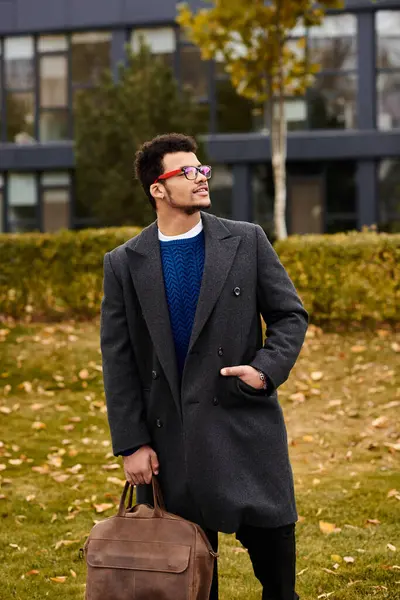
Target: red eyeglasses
pixel 189 172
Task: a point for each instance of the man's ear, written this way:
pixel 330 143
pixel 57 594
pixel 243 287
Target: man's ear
pixel 157 191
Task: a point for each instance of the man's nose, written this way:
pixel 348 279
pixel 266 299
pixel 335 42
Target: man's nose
pixel 201 176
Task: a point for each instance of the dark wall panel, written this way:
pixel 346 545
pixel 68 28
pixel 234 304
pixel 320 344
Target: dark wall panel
pixel 88 13
pixel 41 14
pixel 8 17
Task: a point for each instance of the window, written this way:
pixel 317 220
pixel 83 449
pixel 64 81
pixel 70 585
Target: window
pixel 22 202
pixel 262 189
pixel 53 82
pixel 194 74
pixel 19 89
pixel 332 100
pixel 388 77
pixel 221 185
pixel 389 195
pixel 91 53
pixel 161 41
pixel 55 200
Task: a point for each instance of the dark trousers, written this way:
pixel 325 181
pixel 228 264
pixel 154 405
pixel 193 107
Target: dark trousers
pixel 273 556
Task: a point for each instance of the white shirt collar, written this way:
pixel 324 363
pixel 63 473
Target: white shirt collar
pixel 183 236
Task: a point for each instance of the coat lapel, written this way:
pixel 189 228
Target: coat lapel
pixel 144 260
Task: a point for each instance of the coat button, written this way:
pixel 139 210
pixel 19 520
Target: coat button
pixel 159 423
pixel 215 401
pixel 154 374
pixel 220 351
pixel 237 291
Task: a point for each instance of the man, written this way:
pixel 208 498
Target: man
pixel 191 389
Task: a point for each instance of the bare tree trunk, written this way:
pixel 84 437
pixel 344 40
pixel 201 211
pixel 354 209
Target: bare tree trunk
pixel 279 153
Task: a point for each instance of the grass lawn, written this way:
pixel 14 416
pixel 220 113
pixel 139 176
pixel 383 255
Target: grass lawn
pixel 58 475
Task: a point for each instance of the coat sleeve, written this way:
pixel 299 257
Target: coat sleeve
pixel 283 313
pixel 125 409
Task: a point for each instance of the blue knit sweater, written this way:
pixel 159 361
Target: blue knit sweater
pixel 183 264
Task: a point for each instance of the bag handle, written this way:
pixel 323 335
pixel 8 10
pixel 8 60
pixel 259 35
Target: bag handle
pixel 159 506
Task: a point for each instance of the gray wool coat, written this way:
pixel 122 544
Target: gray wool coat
pixel 221 444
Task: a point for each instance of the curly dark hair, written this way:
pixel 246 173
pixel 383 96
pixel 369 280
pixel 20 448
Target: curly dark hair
pixel 149 158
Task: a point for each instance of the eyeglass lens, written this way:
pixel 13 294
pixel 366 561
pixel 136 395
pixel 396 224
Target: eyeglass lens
pixel 191 172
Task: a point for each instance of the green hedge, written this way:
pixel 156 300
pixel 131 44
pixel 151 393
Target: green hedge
pixel 346 278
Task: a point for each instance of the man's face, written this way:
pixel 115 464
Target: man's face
pixel 188 196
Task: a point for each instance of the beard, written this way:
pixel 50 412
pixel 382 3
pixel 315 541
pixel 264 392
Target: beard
pixel 189 209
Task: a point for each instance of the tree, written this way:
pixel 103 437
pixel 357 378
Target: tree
pixel 112 120
pixel 265 64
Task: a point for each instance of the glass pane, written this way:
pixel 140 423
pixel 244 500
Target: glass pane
pixel 388 100
pixel 18 58
pixel 53 126
pixel 332 102
pixel 53 81
pixel 53 178
pixel 20 118
pixel 334 44
pixel 234 113
pixel 161 40
pixel 338 225
pixel 90 56
pixel 55 210
pixel 22 220
pixel 341 187
pixel 388 38
pixel 52 43
pixel 221 185
pixel 262 186
pixel 389 195
pixel 194 71
pixel 22 190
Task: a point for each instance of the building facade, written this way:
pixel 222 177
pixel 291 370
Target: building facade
pixel 344 135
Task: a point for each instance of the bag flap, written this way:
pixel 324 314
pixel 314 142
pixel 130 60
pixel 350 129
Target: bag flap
pixel 143 556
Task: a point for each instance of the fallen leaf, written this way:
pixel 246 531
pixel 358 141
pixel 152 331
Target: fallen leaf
pixel 65 543
pixel 83 374
pixel 391 547
pixel 336 557
pixel 348 559
pixel 380 422
pixel 103 507
pixel 326 527
pixel 32 572
pixel 116 481
pixel 36 406
pixel 317 375
pixel 38 425
pixel 111 467
pixel 395 347
pixel 59 579
pixel 308 438
pixel 72 572
pixel 358 348
pixel 30 497
pixel 392 493
pixel 3 467
pixel 15 461
pixel 43 470
pixel 373 521
pixel 5 410
pixel 60 477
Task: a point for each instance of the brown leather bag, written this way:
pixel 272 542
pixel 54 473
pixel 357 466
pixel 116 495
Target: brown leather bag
pixel 146 553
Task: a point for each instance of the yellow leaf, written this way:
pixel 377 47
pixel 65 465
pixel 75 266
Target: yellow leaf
pixel 116 481
pixel 72 572
pixel 38 425
pixel 380 422
pixel 84 374
pixel 59 579
pixel 111 467
pixel 336 557
pixel 3 467
pixel 308 438
pixel 103 507
pixel 391 547
pixel 317 375
pixel 358 348
pixel 65 543
pixel 5 410
pixel 326 527
pixel 32 572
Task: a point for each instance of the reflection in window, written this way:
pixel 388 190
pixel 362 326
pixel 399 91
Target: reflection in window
pixel 55 206
pixel 53 81
pixel 19 69
pixel 22 202
pixel 234 113
pixel 389 195
pixel 90 56
pixel 1 204
pixel 388 100
pixel 161 41
pixel 334 43
pixel 341 188
pixel 388 39
pixel 194 71
pixel 20 117
pixel 221 185
pixel 52 43
pixel 262 185
pixel 332 102
pixel 53 125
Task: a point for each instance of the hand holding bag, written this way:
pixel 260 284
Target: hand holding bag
pixel 146 553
